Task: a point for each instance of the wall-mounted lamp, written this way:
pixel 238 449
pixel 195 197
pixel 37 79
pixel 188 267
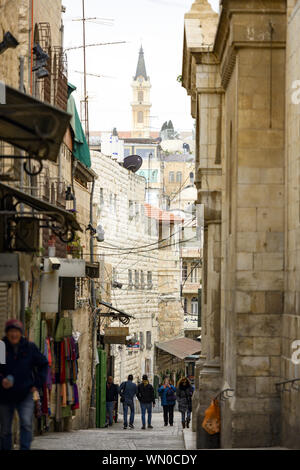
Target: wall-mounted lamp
pixel 9 41
pixel 70 200
pixel 41 62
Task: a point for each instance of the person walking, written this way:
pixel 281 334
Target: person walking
pixel 167 392
pixel 184 395
pixel 24 373
pixel 128 390
pixel 146 397
pixel 112 393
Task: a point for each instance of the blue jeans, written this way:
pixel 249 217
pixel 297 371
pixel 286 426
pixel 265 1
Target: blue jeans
pixel 148 407
pixel 188 416
pixel 125 412
pixel 25 410
pixel 109 411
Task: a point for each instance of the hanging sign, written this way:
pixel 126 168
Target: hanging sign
pixel 116 335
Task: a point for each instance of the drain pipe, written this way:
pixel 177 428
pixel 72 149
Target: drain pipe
pixel 94 319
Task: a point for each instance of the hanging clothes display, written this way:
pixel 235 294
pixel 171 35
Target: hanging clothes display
pixel 60 395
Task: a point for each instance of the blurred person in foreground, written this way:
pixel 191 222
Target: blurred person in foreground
pixel 23 374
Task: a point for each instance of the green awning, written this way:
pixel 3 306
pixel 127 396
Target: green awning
pixel 81 150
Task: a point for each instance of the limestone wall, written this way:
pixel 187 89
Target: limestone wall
pixel 291 319
pixel 123 231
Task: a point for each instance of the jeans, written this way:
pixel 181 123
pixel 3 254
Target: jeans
pixel 168 413
pixel 109 411
pixel 125 412
pixel 25 410
pixel 188 416
pixel 148 407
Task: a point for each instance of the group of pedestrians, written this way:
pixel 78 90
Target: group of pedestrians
pixel 146 395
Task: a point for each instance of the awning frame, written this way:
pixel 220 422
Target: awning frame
pixel 115 313
pixel 31 125
pixel 61 222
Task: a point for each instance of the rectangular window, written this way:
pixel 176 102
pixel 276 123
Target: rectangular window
pixel 148 366
pixel 131 209
pixel 101 197
pixel 194 273
pixel 142 345
pixel 137 279
pixel 149 280
pixel 142 280
pixel 148 340
pixel 184 272
pixel 114 275
pixel 130 283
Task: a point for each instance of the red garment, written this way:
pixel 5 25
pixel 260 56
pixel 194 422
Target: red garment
pixel 49 352
pixel 62 363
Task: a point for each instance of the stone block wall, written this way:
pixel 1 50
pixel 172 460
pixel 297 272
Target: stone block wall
pixel 290 327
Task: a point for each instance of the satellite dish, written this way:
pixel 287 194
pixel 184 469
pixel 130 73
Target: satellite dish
pixel 133 163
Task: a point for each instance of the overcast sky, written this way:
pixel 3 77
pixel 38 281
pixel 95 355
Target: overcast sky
pixel 158 25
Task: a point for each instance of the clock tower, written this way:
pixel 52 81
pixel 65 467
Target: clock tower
pixel 141 100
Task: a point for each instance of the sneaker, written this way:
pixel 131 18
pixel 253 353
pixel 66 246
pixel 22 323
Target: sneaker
pixel 143 427
pixel 150 427
pixel 131 426
pixel 166 424
pixel 125 427
pixel 171 424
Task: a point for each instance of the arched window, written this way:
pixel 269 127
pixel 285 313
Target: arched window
pixel 192 177
pixel 171 177
pixel 178 177
pixel 140 96
pixel 140 116
pixel 194 306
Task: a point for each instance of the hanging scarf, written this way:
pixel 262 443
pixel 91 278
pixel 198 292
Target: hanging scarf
pixel 62 363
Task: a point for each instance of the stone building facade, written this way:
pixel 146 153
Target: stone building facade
pixel 18 16
pixel 241 71
pixel 130 247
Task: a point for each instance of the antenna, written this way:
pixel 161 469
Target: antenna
pixel 133 163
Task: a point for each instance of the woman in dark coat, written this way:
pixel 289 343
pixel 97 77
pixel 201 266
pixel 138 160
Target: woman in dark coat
pixel 184 393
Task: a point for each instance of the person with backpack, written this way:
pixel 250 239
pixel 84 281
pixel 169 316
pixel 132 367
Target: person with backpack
pixel 146 398
pixel 167 393
pixel 127 392
pixel 184 395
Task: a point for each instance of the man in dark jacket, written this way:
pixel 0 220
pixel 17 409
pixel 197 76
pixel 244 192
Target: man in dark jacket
pixel 112 392
pixel 25 371
pixel 128 390
pixel 146 398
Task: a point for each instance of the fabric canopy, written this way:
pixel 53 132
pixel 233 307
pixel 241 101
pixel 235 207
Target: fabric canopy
pixel 180 347
pixel 81 150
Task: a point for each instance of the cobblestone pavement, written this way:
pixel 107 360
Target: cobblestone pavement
pixel 115 438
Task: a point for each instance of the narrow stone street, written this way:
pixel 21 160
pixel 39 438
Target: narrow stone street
pixel 115 438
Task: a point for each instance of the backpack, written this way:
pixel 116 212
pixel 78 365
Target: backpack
pixel 170 395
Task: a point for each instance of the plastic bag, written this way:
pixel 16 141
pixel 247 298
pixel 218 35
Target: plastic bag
pixel 212 419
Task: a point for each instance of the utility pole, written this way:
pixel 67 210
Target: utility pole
pixel 85 99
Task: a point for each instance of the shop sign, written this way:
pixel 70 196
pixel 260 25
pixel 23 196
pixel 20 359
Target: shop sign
pixel 116 335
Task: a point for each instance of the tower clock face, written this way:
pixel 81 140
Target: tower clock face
pixel 140 79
